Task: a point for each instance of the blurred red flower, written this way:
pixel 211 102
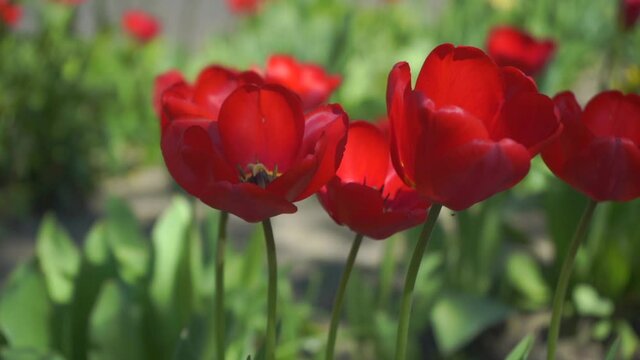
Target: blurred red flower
pixel 598 152
pixel 140 25
pixel 469 129
pixel 163 82
pixel 10 14
pixel 367 195
pixel 509 46
pixel 246 7
pixel 310 81
pixel 629 13
pixel 246 148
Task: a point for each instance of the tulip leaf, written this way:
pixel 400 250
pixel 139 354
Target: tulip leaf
pixel 127 244
pixel 59 259
pixel 115 328
pixel 524 274
pixel 522 350
pixel 458 318
pixel 25 311
pixel 612 353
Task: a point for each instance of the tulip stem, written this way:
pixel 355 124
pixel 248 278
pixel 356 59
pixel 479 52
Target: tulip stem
pixel 565 275
pixel 337 302
pixel 410 281
pixel 219 285
pixel 272 291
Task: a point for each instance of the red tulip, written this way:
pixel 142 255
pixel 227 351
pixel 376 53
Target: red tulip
pixel 246 7
pixel 469 129
pixel 163 82
pixel 246 148
pixel 512 47
pixel 629 13
pixel 140 25
pixel 367 195
pixel 10 14
pixel 598 152
pixel 310 81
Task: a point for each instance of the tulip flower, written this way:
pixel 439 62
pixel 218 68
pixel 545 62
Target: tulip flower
pixel 244 7
pixel 140 25
pixel 598 152
pixel 310 81
pixel 629 13
pixel 509 46
pixel 470 127
pixel 367 195
pixel 246 148
pixel 10 14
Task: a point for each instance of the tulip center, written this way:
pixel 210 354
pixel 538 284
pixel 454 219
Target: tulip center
pixel 259 174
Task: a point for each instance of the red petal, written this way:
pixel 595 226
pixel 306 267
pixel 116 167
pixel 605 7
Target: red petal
pixel 608 169
pixel 163 82
pixel 404 130
pixel 261 125
pixel 516 82
pixel 513 47
pixel 463 77
pixel 529 119
pixel 177 103
pixel 215 84
pixel 247 201
pixel 366 156
pixel 613 114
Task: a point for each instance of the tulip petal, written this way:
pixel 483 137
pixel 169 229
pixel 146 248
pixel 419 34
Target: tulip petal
pixel 215 84
pixel 163 82
pixel 261 125
pixel 613 114
pixel 516 82
pixel 366 156
pixel 464 77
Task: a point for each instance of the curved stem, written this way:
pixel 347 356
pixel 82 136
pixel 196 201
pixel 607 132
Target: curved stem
pixel 272 292
pixel 410 281
pixel 565 275
pixel 219 286
pixel 337 302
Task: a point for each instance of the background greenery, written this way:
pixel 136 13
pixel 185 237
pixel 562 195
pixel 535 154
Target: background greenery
pixel 75 109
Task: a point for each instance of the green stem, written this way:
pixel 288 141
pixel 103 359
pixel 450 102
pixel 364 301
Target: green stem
pixel 565 275
pixel 219 296
pixel 337 303
pixel 410 281
pixel 272 292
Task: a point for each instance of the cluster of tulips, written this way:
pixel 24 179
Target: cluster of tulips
pixel 253 143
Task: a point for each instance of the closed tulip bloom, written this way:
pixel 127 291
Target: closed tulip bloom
pixel 247 148
pixel 10 13
pixel 140 25
pixel 598 152
pixel 509 46
pixel 367 195
pixel 469 128
pixel 629 13
pixel 310 81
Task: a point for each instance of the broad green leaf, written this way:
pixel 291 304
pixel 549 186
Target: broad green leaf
pixel 25 310
pixel 589 303
pixel 115 329
pixel 128 246
pixel 96 246
pixel 59 259
pixel 523 273
pixel 28 354
pixel 458 318
pixel 522 350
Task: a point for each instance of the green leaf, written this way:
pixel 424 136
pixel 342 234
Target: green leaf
pixel 524 274
pixel 629 341
pixel 458 318
pixel 128 246
pixel 612 354
pixel 522 350
pixel 115 329
pixel 589 303
pixel 25 311
pixel 28 354
pixel 96 246
pixel 59 259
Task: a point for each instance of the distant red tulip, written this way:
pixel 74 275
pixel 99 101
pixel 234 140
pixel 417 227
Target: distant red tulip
pixel 629 13
pixel 513 47
pixel 310 81
pixel 140 25
pixel 598 152
pixel 367 195
pixel 10 14
pixel 469 129
pixel 245 7
pixel 246 148
pixel 163 82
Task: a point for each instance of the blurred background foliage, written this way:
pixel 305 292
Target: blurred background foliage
pixel 76 108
